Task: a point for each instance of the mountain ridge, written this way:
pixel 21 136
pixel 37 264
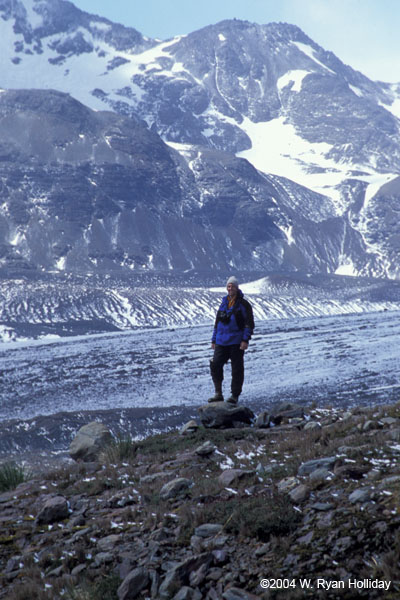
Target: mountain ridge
pixel 264 93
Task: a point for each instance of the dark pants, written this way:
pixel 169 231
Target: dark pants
pixel 221 356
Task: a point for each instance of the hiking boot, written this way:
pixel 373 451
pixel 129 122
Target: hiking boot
pixel 218 397
pixel 233 399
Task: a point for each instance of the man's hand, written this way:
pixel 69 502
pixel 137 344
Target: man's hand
pixel 212 346
pixel 244 345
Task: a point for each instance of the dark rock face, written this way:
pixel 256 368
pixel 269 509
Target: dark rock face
pixel 95 191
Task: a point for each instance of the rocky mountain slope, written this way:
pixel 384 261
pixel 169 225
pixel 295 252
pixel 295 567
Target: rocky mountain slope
pixel 95 191
pixel 324 138
pixel 305 509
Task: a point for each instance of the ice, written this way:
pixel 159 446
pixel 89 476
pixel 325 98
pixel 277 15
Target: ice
pixel 339 360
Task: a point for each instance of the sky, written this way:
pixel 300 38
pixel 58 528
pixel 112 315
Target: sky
pixel 361 33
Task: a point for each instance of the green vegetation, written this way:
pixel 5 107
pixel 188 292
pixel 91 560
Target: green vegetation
pixel 11 475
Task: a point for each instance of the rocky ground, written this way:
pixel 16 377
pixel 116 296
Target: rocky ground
pixel 291 506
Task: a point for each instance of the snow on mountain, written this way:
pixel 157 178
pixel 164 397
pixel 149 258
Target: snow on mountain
pixel 266 93
pixel 94 191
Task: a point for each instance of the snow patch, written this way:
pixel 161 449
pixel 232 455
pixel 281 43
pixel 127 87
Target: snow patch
pixel 394 108
pixel 296 77
pixel 356 90
pixel 375 185
pixel 347 268
pixel 277 148
pixel 310 52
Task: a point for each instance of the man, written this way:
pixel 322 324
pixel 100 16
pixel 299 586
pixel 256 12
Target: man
pixel 233 328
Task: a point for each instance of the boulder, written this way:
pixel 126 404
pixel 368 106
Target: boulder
pixel 187 593
pixel 228 476
pixel 222 415
pixel 189 427
pixel 90 440
pixel 179 576
pixel 286 412
pixel 133 584
pixel 205 449
pixel 54 510
pixel 208 530
pixel 361 495
pixel 317 463
pixel 175 488
pixel 300 493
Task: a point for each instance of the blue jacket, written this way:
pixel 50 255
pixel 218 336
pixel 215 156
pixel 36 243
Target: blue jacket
pixel 234 325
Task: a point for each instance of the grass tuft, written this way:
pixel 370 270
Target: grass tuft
pixel 11 475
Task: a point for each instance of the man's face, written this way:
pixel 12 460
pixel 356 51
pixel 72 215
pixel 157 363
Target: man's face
pixel 232 290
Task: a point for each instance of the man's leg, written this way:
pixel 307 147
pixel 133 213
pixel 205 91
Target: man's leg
pixel 237 362
pixel 220 358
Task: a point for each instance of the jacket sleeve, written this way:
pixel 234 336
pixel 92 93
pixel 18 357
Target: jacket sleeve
pixel 214 335
pixel 249 321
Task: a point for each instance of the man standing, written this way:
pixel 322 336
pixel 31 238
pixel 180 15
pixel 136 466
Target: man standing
pixel 233 328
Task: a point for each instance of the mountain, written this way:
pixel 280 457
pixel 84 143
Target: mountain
pixel 319 187
pixel 87 190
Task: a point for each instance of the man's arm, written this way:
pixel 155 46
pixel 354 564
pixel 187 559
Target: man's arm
pixel 248 323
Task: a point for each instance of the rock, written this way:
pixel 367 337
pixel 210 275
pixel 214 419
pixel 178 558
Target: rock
pixel 189 428
pixel 389 480
pixel 371 425
pixel 312 426
pixel 311 465
pixel 322 506
pixel 299 493
pixel 180 574
pixel 234 593
pixel 176 487
pixel 152 477
pixel 389 421
pixel 54 510
pixel 133 584
pixel 222 415
pixel 78 569
pixel 108 543
pixel 393 434
pixel 122 499
pixel 103 558
pixel 360 495
pixel 208 530
pixel 228 476
pixel 321 473
pixel 263 420
pixel 306 539
pixel 205 449
pixel 197 577
pixel 90 440
pixel 287 484
pixel 351 471
pixel 342 545
pixel 287 411
pixel 187 593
